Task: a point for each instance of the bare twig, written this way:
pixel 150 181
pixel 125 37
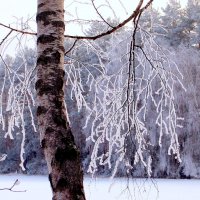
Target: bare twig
pixel 71 47
pixel 96 9
pixel 6 37
pixel 12 187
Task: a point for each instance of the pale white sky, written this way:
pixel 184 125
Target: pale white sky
pixel 16 12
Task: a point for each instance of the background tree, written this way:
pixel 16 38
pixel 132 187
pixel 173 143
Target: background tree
pixel 172 21
pixel 193 21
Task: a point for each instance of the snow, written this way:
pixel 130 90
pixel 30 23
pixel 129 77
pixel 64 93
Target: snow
pixel 37 187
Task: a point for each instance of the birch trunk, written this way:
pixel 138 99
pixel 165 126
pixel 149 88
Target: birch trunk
pixel 57 141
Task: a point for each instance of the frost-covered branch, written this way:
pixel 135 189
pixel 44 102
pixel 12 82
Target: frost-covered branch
pixel 17 98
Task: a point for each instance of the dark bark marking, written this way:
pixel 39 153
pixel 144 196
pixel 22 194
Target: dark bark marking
pixel 60 72
pixel 53 89
pixel 67 136
pixel 47 51
pixel 49 130
pixel 53 59
pixel 42 60
pixel 68 153
pixel 38 84
pixel 41 5
pixel 51 182
pixel 78 192
pixel 56 57
pixel 43 144
pixel 41 110
pixel 60 11
pixel 58 24
pixel 44 39
pixel 64 140
pixel 59 83
pixel 62 184
pixel 62 48
pixel 58 120
pixel 46 89
pixel 67 139
pixel 43 16
pixel 58 102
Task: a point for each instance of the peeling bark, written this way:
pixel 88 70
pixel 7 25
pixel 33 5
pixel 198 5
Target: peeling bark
pixel 57 141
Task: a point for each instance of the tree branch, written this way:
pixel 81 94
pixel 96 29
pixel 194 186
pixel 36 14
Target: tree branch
pixel 17 30
pixel 12 187
pixel 6 37
pixel 96 9
pixel 73 45
pixel 133 16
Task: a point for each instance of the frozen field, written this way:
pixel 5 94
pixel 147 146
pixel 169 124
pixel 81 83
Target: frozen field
pixel 37 187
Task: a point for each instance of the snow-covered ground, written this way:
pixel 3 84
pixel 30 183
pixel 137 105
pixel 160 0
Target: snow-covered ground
pixel 37 187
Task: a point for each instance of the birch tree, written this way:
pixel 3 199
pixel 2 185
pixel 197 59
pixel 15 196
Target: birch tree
pixel 61 153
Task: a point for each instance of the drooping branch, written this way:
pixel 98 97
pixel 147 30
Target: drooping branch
pixel 121 101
